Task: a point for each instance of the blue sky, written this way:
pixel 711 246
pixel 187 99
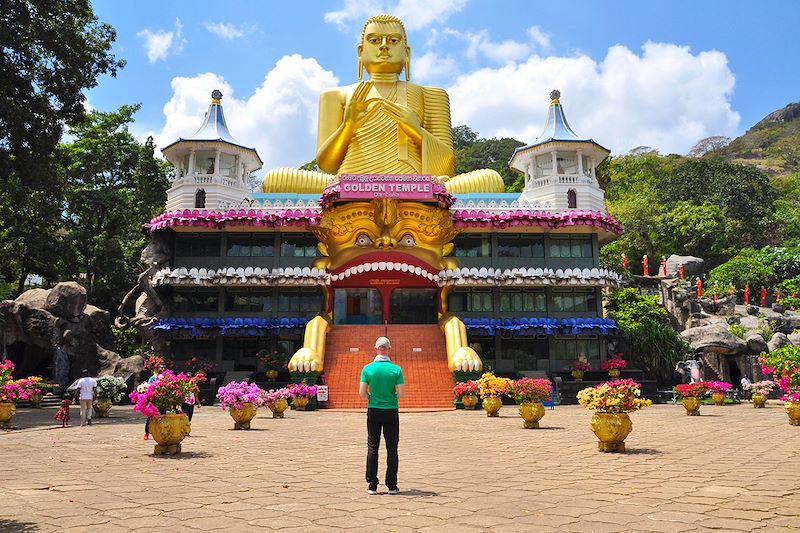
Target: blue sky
pixel 631 73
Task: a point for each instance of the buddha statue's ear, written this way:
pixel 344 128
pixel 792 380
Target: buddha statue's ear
pixel 408 63
pixel 360 62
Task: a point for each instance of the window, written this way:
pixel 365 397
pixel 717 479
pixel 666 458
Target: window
pixel 567 164
pixel 472 245
pixel 544 165
pixel 470 300
pixel 298 245
pixel 523 300
pixel 568 349
pixel 184 350
pixel 572 199
pixel 570 246
pixel 200 198
pixel 248 302
pixel 250 245
pixel 306 301
pixel 526 353
pixel 196 301
pixel 574 300
pixel 520 245
pixel 197 245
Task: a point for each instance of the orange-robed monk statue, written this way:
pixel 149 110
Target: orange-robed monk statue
pixel 384 125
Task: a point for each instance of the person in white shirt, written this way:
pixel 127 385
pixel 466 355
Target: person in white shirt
pixel 87 387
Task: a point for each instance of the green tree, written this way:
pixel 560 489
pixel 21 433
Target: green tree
pixel 700 230
pixel 463 137
pixel 742 271
pixel 488 153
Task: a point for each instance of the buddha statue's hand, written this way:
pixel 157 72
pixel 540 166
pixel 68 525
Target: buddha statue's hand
pixel 405 117
pixel 359 108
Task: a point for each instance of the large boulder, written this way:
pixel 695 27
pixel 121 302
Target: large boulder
pixel 714 338
pixel 692 266
pixel 756 344
pixel 34 298
pixel 778 340
pixel 66 300
pixel 794 338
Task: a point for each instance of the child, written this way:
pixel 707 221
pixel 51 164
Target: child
pixel 63 411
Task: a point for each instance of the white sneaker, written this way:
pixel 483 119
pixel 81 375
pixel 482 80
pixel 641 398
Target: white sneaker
pixel 394 491
pixel 372 492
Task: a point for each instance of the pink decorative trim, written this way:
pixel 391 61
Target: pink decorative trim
pixel 219 219
pixel 508 219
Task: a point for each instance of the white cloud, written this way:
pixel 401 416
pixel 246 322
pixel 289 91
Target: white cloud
pixel 279 119
pixel 224 30
pixel 160 43
pixel 415 14
pixel 432 68
pixel 479 45
pixel 539 37
pixel 666 97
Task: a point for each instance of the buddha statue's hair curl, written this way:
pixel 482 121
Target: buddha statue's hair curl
pixel 384 19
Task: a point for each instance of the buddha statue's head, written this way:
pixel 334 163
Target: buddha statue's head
pixel 383 49
pixel 398 231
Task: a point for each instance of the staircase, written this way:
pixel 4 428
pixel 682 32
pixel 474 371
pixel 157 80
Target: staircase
pixel 429 383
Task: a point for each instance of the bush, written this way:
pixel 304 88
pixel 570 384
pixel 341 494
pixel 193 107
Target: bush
pixel 791 303
pixel 657 348
pixel 738 330
pixel 791 286
pixel 630 309
pixel 743 270
pixel 784 261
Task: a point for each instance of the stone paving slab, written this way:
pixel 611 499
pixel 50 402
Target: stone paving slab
pixel 734 468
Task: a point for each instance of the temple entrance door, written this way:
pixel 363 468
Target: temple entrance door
pixel 413 306
pixel 357 306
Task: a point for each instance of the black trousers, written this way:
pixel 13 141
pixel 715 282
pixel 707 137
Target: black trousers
pixel 388 421
pixel 188 410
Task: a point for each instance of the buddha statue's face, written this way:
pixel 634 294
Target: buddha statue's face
pixel 409 233
pixel 383 48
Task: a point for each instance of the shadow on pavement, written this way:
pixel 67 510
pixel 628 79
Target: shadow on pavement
pixel 415 492
pixel 643 451
pixel 182 456
pixel 13 526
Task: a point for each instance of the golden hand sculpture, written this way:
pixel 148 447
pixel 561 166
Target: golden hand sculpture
pixel 384 125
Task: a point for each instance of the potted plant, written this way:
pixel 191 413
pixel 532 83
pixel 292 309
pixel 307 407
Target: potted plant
pixel 301 394
pixel 241 399
pixel 467 392
pixel 278 401
pixel 161 399
pixel 529 393
pixel 154 362
pixel 201 366
pixel 784 365
pixel 612 401
pixel 719 391
pixel 273 361
pixel 690 394
pixel 579 368
pixel 37 388
pixel 759 392
pixel 110 390
pixel 614 365
pixel 490 388
pixel 10 393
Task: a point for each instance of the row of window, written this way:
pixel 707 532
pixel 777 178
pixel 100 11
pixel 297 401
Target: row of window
pixel 523 300
pixel 206 301
pixel 524 245
pixel 245 245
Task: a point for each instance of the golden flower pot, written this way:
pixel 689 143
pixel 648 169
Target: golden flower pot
pixel 469 401
pixel 692 406
pixel 492 405
pixel 7 412
pixel 719 398
pixel 278 408
pixel 577 375
pixel 531 413
pixel 611 430
pixel 168 431
pixel 102 407
pixel 614 373
pixel 759 401
pixel 793 410
pixel 242 417
pixel 272 374
pixel 36 401
pixel 300 403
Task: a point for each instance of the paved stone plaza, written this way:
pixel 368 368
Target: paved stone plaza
pixel 733 468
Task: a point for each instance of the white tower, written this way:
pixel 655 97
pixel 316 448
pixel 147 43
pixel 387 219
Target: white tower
pixel 559 166
pixel 211 167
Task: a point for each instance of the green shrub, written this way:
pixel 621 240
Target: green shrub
pixel 743 270
pixel 656 348
pixel 784 261
pixel 790 286
pixel 630 309
pixel 766 329
pixel 791 303
pixel 738 330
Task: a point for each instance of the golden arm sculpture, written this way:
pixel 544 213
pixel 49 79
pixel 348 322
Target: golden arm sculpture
pixel 383 125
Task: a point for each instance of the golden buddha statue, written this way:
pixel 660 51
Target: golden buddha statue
pixel 383 125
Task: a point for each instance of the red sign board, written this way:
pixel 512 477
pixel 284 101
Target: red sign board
pixel 401 186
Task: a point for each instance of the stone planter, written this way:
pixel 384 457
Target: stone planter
pixel 793 411
pixel 577 375
pixel 278 408
pixel 759 401
pixel 243 416
pixel 692 406
pixel 300 403
pixel 168 431
pixel 611 430
pixel 272 374
pixel 102 407
pixel 614 373
pixel 531 413
pixel 718 397
pixel 469 401
pixel 7 412
pixel 36 401
pixel 492 405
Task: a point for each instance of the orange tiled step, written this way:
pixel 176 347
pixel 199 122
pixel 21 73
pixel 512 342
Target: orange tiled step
pixel 429 384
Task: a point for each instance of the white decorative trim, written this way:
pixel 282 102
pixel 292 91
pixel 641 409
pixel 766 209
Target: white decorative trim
pixel 241 276
pixel 529 276
pixel 273 206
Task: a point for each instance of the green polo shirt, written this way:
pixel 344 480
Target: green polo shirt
pixel 382 378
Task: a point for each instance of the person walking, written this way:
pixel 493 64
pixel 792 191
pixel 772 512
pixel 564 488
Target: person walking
pixel 382 385
pixel 87 388
pixel 192 398
pixel 63 410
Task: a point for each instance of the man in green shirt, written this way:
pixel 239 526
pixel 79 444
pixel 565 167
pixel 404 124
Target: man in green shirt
pixel 382 384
